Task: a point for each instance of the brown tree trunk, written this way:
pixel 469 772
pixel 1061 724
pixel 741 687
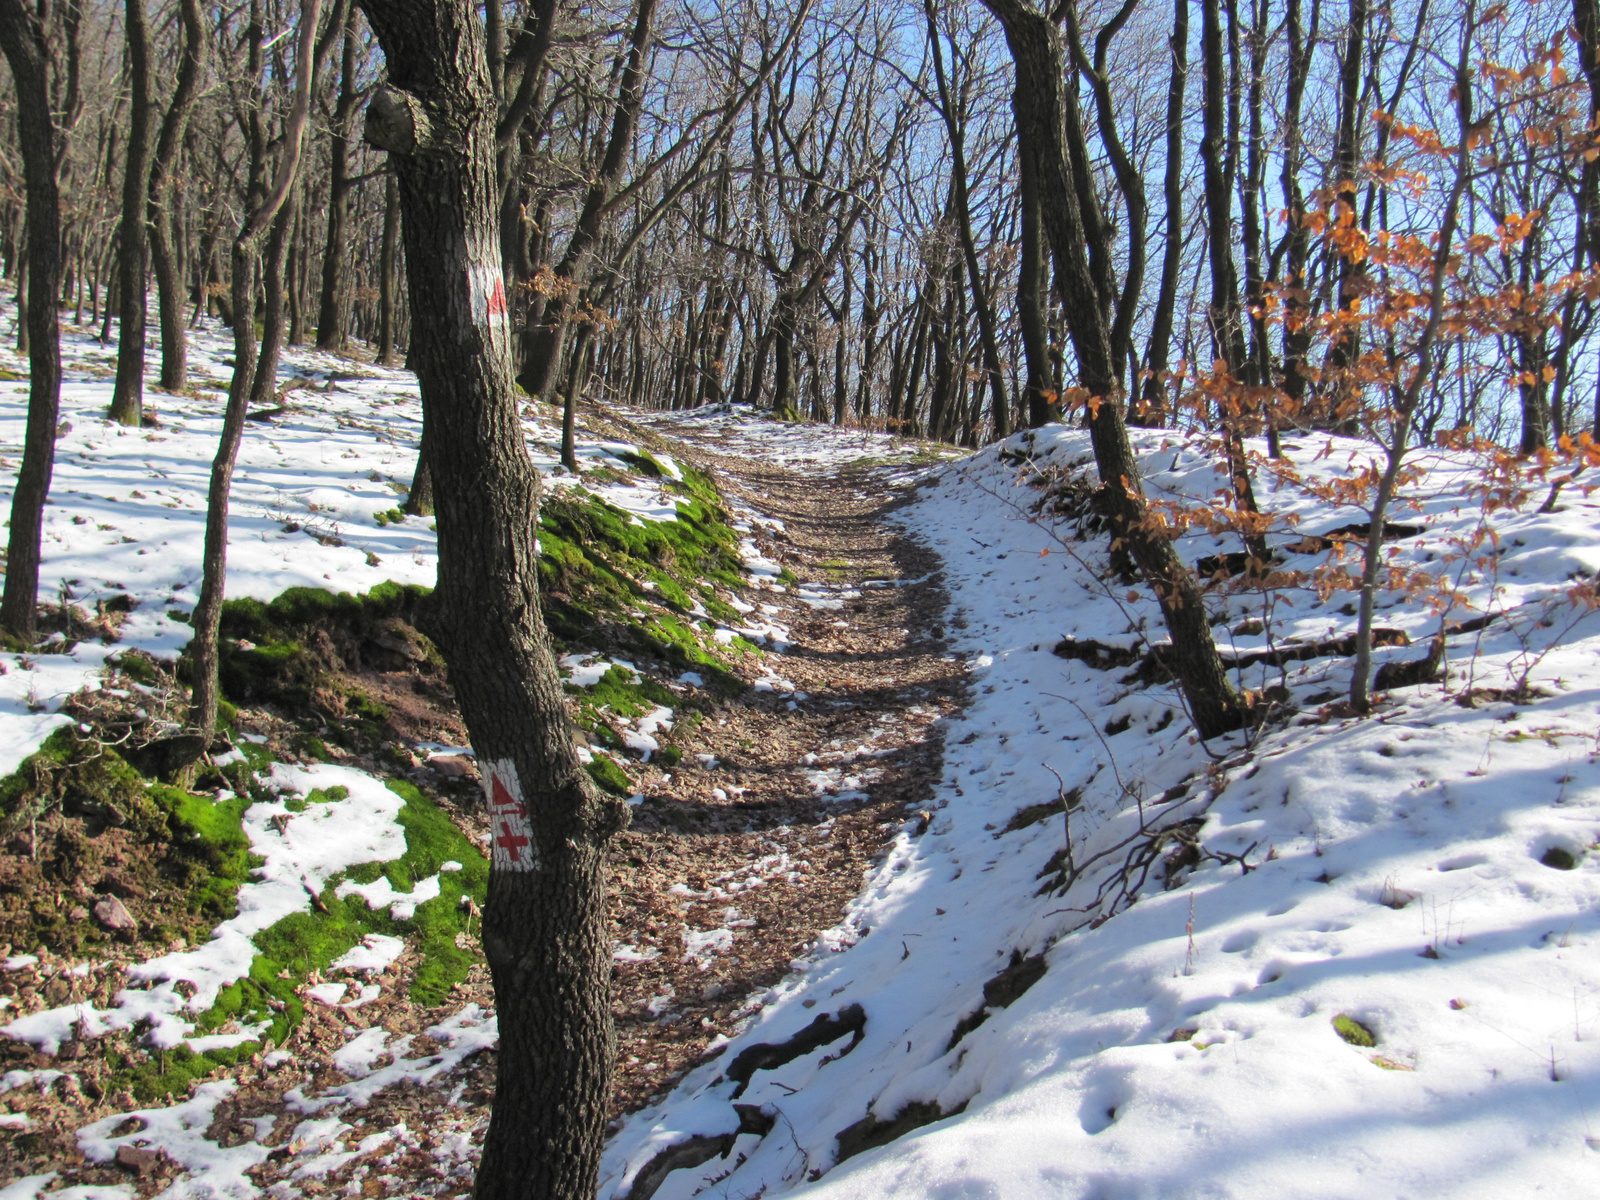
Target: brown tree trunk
pixel 333 311
pixel 388 258
pixel 127 395
pixel 545 340
pixel 1000 409
pixel 164 218
pixel 1040 103
pixel 264 388
pixel 244 261
pixel 1226 315
pixel 1153 406
pixel 544 930
pixel 26 48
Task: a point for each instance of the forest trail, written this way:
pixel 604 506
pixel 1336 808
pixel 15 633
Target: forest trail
pixel 759 838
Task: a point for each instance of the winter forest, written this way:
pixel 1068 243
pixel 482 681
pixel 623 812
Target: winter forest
pixel 893 598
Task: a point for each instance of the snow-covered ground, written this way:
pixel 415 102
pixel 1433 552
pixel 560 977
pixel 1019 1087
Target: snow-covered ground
pixel 1425 879
pixel 1395 872
pixel 127 506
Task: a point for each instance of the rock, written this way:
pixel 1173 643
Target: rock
pixel 77 913
pixel 452 766
pixel 111 913
pixel 139 1160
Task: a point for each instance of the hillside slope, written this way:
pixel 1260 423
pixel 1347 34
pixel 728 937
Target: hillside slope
pixel 1336 957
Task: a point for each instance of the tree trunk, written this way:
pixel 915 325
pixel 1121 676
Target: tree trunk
pixel 27 52
pixel 419 501
pixel 1000 411
pixel 24 342
pixel 127 396
pixel 1226 316
pixel 544 930
pixel 165 219
pixel 333 312
pixel 545 340
pixel 387 261
pixel 203 648
pixel 1036 48
pixel 264 387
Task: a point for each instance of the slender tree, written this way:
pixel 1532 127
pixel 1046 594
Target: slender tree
pixel 26 44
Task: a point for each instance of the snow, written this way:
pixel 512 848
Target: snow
pixel 180 1131
pixel 127 506
pixel 374 952
pixel 1408 871
pixel 382 893
pixel 1386 870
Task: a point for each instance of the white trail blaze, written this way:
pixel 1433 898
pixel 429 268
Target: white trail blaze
pixel 510 835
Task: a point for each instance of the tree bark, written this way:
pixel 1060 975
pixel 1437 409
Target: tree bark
pixel 127 395
pixel 388 258
pixel 544 932
pixel 333 311
pixel 1153 405
pixel 26 48
pixel 1041 113
pixel 163 217
pixel 1000 410
pixel 545 339
pixel 1226 315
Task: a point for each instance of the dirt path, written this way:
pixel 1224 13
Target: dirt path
pixel 743 856
pixel 762 835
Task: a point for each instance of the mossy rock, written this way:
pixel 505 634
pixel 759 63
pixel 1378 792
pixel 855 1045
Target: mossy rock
pixel 609 776
pixel 1354 1032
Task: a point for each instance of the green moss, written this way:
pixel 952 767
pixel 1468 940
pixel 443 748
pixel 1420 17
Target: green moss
pixel 643 463
pixel 626 694
pixel 1559 858
pixel 137 666
pixel 310 941
pixel 1354 1032
pixel 609 776
pixel 18 787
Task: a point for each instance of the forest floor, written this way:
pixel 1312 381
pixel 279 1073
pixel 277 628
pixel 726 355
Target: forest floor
pixel 766 828
pixel 931 891
pixel 745 848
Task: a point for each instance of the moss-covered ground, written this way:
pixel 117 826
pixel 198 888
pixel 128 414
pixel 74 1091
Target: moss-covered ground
pixel 652 591
pixel 303 943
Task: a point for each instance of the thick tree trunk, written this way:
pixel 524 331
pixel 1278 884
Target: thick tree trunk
pixel 1036 47
pixel 27 52
pixel 127 396
pixel 1043 404
pixel 544 930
